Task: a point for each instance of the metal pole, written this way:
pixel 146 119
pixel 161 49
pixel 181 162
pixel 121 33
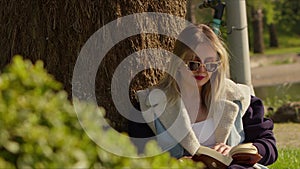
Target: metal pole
pixel 238 43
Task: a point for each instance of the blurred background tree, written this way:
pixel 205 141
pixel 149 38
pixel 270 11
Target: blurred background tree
pixel 288 15
pixel 256 10
pixel 270 23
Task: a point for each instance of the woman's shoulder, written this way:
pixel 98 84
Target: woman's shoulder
pixel 238 92
pixel 150 96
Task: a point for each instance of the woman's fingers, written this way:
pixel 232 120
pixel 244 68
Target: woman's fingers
pixel 222 148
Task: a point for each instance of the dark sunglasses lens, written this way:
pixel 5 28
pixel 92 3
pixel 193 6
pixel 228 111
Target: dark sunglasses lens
pixel 211 67
pixel 193 66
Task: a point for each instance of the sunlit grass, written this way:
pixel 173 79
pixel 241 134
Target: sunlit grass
pixel 288 158
pixel 287 44
pixel 289 40
pixel 272 51
pixel 278 51
pixel 287 137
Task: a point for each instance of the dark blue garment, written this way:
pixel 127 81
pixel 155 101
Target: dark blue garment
pixel 259 131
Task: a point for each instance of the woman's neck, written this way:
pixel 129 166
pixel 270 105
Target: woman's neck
pixel 194 104
pixel 202 113
pixel 191 93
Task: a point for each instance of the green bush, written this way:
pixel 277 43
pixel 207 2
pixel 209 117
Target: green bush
pixel 39 127
pixel 275 103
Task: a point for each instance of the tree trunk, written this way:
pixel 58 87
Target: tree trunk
pixel 55 31
pixel 257 23
pixel 273 36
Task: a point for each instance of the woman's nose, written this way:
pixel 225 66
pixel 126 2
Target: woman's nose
pixel 202 68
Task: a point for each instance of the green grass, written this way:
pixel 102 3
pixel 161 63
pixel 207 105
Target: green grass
pixel 278 51
pixel 287 44
pixel 282 50
pixel 287 139
pixel 288 158
pixel 284 40
pixel 289 40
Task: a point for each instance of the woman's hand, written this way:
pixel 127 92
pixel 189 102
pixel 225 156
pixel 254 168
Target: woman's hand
pixel 222 148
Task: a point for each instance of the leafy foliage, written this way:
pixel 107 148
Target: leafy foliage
pixel 275 103
pixel 289 17
pixel 39 128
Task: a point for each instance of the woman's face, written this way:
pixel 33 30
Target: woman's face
pixel 203 66
pixel 201 75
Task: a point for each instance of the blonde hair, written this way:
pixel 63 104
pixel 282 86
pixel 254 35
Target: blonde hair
pixel 188 40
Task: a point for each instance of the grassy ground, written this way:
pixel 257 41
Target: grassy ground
pixel 278 51
pixel 287 135
pixel 287 44
pixel 288 143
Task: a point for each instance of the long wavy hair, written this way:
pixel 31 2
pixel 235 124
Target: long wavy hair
pixel 188 40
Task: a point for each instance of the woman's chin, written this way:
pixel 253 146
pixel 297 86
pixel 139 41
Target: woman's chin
pixel 202 82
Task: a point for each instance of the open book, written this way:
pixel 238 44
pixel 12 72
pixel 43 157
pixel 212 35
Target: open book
pixel 246 154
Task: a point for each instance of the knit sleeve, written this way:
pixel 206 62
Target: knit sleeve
pixel 259 131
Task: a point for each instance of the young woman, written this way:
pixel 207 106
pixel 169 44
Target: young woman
pixel 195 104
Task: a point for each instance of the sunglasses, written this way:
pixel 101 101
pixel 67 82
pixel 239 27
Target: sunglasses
pixel 209 66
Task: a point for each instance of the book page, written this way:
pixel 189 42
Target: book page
pixel 247 148
pixel 213 153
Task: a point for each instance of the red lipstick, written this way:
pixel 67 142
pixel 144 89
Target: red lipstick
pixel 199 77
